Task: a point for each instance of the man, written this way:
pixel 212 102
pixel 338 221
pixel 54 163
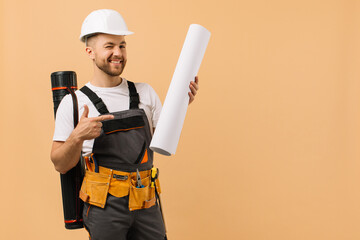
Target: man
pixel 114 132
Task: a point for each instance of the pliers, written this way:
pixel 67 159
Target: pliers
pixel 138 179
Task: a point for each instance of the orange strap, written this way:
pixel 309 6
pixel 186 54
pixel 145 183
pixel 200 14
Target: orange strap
pixel 88 164
pixel 59 88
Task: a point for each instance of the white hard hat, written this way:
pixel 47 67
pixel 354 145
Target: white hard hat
pixel 104 21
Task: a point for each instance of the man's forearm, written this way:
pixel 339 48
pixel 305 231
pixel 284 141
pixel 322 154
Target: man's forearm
pixel 65 155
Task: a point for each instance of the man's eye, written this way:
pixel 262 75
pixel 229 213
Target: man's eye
pixel 122 46
pixel 108 47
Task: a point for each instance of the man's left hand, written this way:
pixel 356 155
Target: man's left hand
pixel 194 87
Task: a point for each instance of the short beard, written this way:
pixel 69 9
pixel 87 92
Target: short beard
pixel 106 69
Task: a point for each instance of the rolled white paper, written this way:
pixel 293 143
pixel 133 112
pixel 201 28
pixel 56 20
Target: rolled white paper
pixel 169 126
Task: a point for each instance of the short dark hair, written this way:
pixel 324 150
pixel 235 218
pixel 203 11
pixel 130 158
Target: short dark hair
pixel 87 37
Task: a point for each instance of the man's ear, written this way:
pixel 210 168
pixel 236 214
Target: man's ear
pixel 90 52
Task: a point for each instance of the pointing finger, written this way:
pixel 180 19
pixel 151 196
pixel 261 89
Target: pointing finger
pixel 103 118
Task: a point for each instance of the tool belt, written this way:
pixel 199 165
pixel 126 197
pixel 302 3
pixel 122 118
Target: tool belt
pixel 97 185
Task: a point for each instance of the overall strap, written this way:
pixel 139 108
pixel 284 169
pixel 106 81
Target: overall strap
pixel 75 106
pixel 98 103
pixel 134 96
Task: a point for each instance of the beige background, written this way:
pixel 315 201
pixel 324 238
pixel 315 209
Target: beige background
pixel 269 149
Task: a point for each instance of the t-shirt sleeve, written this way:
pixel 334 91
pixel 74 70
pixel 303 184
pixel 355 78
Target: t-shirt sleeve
pixel 64 123
pixel 155 106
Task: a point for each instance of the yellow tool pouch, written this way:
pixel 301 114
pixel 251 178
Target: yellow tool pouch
pixel 96 186
pixel 140 198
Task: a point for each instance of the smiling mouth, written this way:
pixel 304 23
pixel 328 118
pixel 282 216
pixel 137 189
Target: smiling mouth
pixel 116 61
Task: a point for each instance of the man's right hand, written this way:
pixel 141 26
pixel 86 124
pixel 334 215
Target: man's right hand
pixel 89 128
pixel 65 155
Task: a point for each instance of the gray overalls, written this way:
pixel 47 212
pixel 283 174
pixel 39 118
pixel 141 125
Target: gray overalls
pixel 123 146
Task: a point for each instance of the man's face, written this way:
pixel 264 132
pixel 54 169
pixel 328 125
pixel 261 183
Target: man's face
pixel 108 52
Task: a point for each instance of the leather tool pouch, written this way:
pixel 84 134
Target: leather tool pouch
pixel 95 188
pixel 140 198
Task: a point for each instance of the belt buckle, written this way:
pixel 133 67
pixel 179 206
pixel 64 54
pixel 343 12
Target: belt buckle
pixel 120 177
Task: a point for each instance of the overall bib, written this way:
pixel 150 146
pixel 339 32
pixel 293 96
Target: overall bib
pixel 115 208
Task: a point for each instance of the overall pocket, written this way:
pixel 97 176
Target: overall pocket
pixel 141 198
pixel 95 188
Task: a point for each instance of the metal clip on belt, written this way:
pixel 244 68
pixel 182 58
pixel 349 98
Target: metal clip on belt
pixel 120 177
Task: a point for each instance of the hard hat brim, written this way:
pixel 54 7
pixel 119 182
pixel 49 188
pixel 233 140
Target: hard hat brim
pixel 118 33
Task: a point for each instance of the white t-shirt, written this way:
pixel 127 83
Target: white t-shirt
pixel 115 98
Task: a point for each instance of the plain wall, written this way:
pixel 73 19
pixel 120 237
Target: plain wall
pixel 269 149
